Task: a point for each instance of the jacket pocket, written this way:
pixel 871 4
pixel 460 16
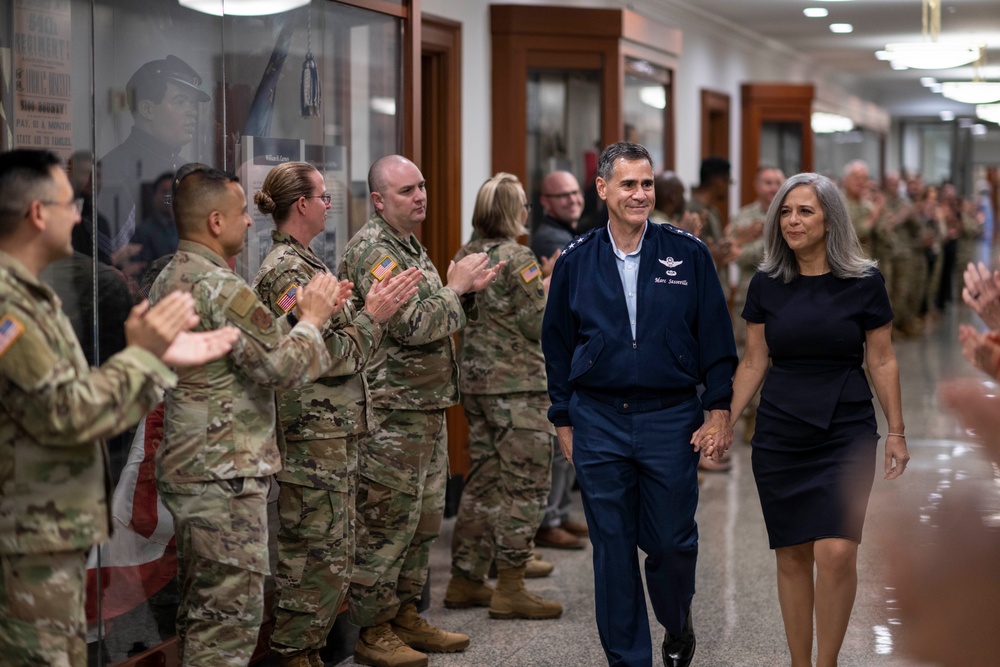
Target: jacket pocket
pixel 683 354
pixel 585 356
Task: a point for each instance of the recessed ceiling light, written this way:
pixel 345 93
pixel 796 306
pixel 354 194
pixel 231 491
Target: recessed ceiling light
pixel 841 28
pixel 947 115
pixel 927 81
pixel 897 65
pixel 816 12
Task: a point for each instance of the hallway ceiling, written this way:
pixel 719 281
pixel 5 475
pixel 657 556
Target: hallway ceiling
pixel 876 23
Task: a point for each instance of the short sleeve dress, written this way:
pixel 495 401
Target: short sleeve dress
pixel 814 446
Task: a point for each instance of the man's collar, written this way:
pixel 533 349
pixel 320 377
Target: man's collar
pixel 152 144
pixel 202 250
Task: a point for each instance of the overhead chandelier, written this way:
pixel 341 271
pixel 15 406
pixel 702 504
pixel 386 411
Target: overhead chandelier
pixel 972 92
pixel 990 112
pixel 930 54
pixel 242 7
pixel 977 91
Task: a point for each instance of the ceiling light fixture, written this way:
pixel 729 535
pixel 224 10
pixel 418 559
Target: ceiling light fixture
pixel 946 115
pixel 972 92
pixel 828 123
pixel 990 112
pixel 242 7
pixel 927 81
pixel 930 54
pixel 816 12
pixel 841 28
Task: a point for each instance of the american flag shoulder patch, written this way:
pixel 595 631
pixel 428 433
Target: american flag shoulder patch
pixel 384 268
pixel 287 300
pixel 530 272
pixel 10 329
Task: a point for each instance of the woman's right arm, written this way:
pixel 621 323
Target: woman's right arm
pixel 751 370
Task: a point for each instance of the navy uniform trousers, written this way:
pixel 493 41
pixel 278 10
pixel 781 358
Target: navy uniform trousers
pixel 639 482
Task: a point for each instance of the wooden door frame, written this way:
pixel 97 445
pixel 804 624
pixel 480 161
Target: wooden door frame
pixel 779 102
pixel 714 102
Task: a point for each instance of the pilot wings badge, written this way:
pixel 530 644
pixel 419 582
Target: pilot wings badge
pixel 671 264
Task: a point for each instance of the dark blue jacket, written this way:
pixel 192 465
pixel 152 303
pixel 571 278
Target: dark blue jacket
pixel 684 335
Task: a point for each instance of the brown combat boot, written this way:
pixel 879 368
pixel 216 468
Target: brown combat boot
pixel 380 647
pixel 512 600
pixel 421 635
pixel 463 593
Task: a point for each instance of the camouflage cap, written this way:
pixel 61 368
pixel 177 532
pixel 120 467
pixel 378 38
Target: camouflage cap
pixel 160 72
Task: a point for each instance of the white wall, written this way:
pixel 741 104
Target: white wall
pixel 717 54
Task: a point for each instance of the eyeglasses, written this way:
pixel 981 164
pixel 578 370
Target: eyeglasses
pixel 326 197
pixel 563 195
pixel 527 207
pixel 76 204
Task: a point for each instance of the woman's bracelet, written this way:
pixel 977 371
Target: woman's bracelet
pixel 898 435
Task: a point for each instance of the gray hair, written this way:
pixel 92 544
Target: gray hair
pixel 843 250
pixel 615 152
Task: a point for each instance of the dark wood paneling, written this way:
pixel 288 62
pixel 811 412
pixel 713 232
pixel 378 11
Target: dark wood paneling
pixel 774 102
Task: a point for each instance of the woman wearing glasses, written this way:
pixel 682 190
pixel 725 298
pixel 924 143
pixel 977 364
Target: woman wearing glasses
pixel 321 423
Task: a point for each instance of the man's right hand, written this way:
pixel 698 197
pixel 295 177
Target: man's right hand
pixel 155 328
pixel 565 436
pixel 318 300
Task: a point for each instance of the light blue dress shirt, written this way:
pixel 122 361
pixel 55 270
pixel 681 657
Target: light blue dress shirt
pixel 628 271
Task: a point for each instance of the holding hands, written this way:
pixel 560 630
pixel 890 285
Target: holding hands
pixel 715 436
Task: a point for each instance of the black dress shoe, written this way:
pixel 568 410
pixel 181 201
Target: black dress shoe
pixel 679 651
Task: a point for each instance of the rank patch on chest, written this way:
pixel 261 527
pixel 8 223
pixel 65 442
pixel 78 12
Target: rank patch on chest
pixel 384 268
pixel 287 300
pixel 530 272
pixel 10 330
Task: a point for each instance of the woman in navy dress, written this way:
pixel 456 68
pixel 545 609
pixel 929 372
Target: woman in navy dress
pixel 816 310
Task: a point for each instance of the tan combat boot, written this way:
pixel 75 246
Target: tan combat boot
pixel 463 593
pixel 512 600
pixel 380 647
pixel 536 568
pixel 421 635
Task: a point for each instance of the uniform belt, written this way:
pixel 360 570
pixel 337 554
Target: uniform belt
pixel 641 402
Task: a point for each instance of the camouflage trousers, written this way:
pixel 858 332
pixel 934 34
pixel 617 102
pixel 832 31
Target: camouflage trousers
pixel 315 556
pixel 222 559
pixel 403 468
pixel 42 622
pixel 504 499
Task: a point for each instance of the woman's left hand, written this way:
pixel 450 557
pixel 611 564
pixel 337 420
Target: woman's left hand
pixel 896 456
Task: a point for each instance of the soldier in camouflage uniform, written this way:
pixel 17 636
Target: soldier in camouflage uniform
pixel 504 396
pixel 54 486
pixel 864 214
pixel 747 228
pixel 403 465
pixel 320 424
pixel 219 446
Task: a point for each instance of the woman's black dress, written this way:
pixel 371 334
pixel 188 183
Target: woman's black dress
pixel 815 441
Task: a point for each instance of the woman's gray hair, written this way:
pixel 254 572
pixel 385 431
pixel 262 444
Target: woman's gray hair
pixel 843 250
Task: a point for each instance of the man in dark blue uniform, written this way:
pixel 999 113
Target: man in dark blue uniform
pixel 635 321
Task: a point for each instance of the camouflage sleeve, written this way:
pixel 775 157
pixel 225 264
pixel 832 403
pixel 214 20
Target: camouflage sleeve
pixel 524 281
pixel 267 353
pixel 349 343
pixel 44 393
pixel 434 313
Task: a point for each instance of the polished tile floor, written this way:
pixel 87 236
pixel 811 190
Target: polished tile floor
pixel 736 612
